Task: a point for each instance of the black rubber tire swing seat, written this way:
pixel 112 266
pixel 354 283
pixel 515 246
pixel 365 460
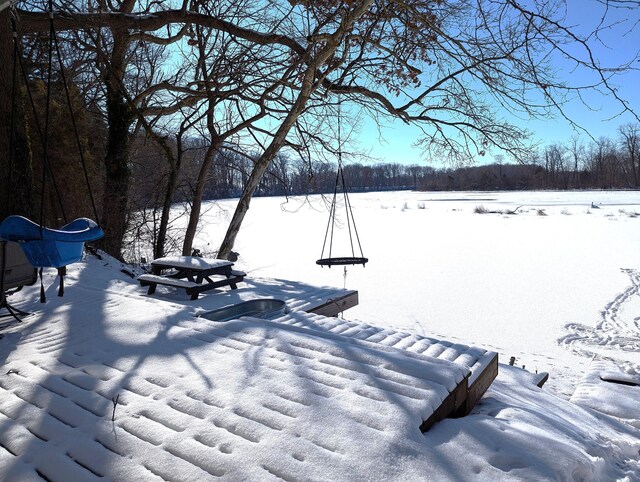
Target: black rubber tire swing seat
pixel 350 221
pixel 343 261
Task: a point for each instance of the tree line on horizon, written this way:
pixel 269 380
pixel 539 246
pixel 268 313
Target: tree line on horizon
pixel 602 164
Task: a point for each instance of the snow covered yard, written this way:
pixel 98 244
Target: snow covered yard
pixel 201 400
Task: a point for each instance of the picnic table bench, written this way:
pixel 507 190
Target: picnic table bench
pixel 192 273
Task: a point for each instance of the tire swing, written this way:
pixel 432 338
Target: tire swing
pixel 46 247
pixel 341 186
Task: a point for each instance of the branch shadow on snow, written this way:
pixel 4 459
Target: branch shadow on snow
pixel 89 360
pixel 72 349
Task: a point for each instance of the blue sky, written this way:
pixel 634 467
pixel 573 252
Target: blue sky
pixel 621 44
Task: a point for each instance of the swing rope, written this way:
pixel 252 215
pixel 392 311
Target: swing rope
pixel 12 121
pixel 44 137
pixel 46 121
pixel 340 179
pixel 44 134
pixel 331 221
pixel 350 218
pixel 36 118
pixel 73 121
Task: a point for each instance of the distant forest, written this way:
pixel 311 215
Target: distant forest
pixel 604 164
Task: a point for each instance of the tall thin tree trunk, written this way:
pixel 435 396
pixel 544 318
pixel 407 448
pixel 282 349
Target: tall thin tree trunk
pixel 172 184
pixel 257 173
pixel 196 205
pixel 161 240
pixel 118 175
pixel 16 183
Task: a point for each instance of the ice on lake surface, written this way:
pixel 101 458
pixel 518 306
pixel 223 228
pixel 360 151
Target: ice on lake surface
pixel 535 284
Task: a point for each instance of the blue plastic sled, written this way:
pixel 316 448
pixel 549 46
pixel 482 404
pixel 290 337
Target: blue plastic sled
pixel 46 247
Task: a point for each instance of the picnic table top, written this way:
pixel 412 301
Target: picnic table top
pixel 191 262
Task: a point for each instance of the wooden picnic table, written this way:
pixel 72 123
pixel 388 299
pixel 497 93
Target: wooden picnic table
pixel 192 273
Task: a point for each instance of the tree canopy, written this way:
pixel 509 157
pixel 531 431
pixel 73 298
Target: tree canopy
pixel 266 76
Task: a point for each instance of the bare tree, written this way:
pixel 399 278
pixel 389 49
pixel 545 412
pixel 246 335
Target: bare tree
pixel 604 162
pixel 234 97
pixel 447 66
pixel 452 67
pixel 630 140
pixel 576 149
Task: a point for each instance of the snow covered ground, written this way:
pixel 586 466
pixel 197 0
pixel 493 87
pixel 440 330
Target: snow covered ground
pixel 554 285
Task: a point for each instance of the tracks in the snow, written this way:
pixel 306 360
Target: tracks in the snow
pixel 617 330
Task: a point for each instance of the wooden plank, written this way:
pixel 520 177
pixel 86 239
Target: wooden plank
pixel 147 279
pixel 480 385
pixel 542 379
pixel 335 306
pixel 201 288
pixel 450 405
pixel 191 262
pixel 193 289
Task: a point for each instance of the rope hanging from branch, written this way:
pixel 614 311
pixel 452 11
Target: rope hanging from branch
pixel 45 247
pixel 340 185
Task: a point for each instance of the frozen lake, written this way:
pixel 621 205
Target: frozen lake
pixel 539 284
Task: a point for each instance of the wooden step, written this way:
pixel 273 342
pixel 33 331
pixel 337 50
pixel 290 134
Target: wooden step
pixel 147 279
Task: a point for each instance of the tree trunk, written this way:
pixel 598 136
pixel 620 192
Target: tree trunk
pixel 172 183
pixel 259 170
pixel 6 60
pixel 161 239
pixel 120 116
pixel 118 174
pixel 16 183
pixel 196 205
